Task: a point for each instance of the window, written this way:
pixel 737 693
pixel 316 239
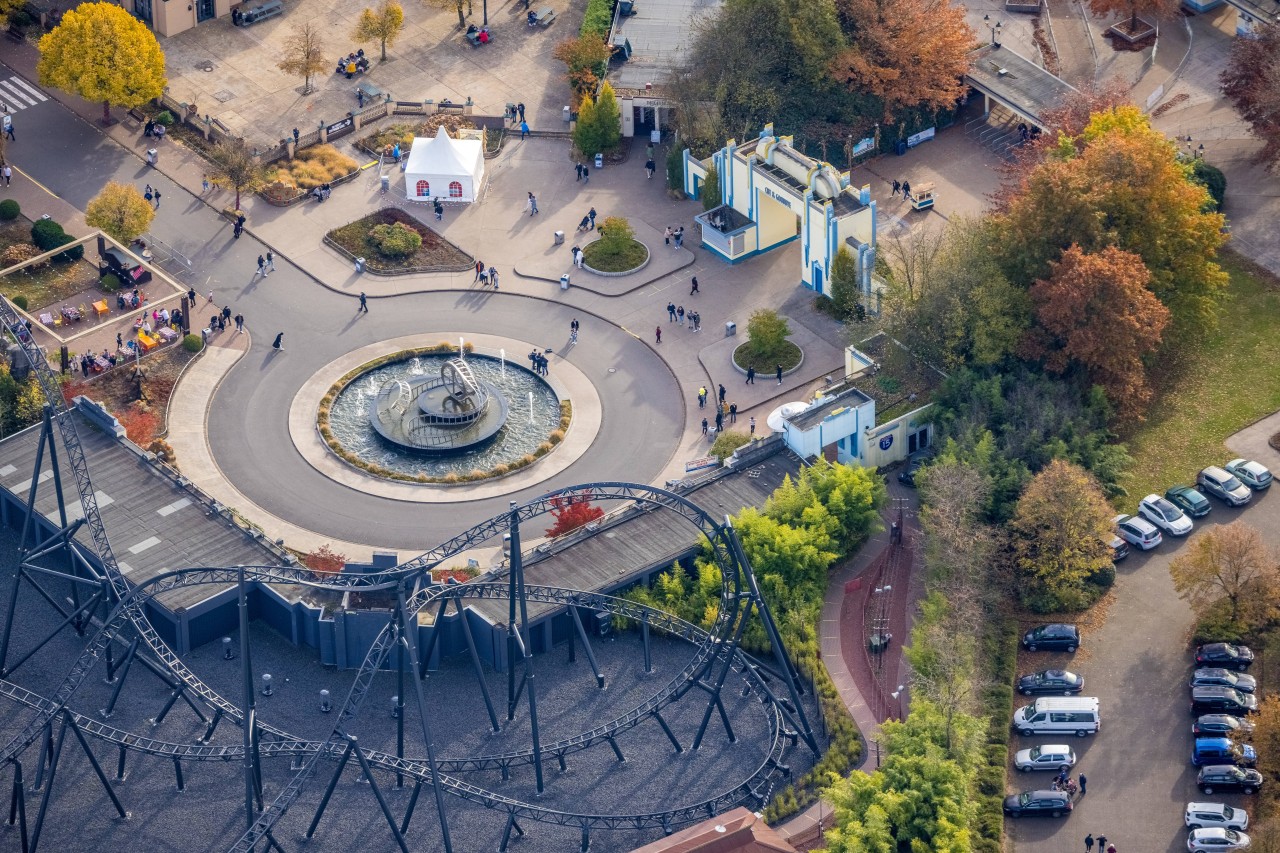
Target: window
pixel 455 189
pixel 424 189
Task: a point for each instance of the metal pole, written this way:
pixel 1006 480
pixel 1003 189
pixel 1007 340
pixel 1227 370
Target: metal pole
pixel 517 574
pixel 475 664
pixel 246 675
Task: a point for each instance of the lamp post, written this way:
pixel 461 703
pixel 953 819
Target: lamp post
pixel 897 697
pixel 995 29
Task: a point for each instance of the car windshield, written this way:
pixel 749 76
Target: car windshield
pixel 1167 510
pixel 1036 752
pixel 1024 798
pixel 1231 484
pixel 1228 813
pixel 1232 835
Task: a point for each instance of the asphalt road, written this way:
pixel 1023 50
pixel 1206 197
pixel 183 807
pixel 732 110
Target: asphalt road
pixel 643 414
pixel 1137 664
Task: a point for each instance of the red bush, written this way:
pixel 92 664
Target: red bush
pixel 571 512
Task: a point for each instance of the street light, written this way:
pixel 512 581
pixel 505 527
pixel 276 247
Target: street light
pixel 897 697
pixel 995 30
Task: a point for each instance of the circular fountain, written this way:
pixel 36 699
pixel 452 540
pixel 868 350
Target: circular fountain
pixel 448 413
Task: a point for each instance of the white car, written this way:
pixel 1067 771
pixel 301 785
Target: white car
pixel 1165 515
pixel 1138 532
pixel 1053 756
pixel 1220 815
pixel 1252 474
pixel 1216 838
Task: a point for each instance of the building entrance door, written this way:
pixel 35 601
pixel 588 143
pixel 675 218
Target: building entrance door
pixel 205 10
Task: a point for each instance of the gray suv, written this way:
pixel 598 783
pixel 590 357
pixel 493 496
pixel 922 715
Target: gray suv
pixel 1223 485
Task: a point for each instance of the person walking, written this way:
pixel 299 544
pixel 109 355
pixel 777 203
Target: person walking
pixel 533 205
pixel 657 333
pixel 364 303
pixel 239 227
pixel 520 110
pixel 1102 843
pixel 262 263
pixel 702 397
pixel 119 341
pixel 148 193
pixel 573 331
pixel 438 208
pixel 239 324
pixel 524 129
pixel 278 344
pixel 1084 780
pixel 896 187
pixel 751 376
pixel 733 413
pixel 577 167
pixel 270 265
pixel 650 167
pixel 752 425
pixel 479 269
pixel 157 199
pixel 8 127
pixel 210 297
pixel 591 214
pixel 694 289
pixel 671 312
pixel 779 372
pixel 8 174
pixel 906 190
pixel 704 426
pixel 719 421
pixel 204 184
pixel 1111 848
pixel 586 174
pixel 1088 843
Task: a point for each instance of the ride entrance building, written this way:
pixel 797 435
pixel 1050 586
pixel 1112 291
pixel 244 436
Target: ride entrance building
pixel 771 194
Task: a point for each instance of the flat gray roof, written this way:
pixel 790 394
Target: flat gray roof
pixel 1264 10
pixel 661 33
pixel 1023 87
pixel 815 415
pixel 154 523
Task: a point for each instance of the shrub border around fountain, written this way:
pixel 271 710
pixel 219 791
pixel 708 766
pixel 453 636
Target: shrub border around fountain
pixel 648 255
pixel 733 359
pixel 476 476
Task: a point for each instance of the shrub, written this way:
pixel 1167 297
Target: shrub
pixel 396 240
pixel 20 301
pixel 727 442
pixel 767 333
pixel 311 167
pixel 598 18
pixel 108 283
pixel 193 343
pixel 1213 180
pixel 9 210
pixel 47 234
pixel 75 253
pixel 17 253
pixel 165 118
pixel 616 229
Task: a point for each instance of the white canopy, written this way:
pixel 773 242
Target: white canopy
pixel 445 168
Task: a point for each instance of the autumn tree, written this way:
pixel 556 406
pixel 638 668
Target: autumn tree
pixel 235 166
pixel 102 53
pixel 8 7
pixel 571 512
pixel 304 54
pixel 585 131
pixel 120 211
pixel 1229 562
pixel 324 562
pixel 382 25
pixel 463 7
pixel 1096 313
pixel 584 58
pixel 1251 82
pixel 1067 118
pixel 1060 534
pixel 1118 183
pixel 888 43
pixel 1161 9
pixel 608 118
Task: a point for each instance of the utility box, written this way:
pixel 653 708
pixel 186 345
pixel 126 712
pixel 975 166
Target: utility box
pixel 567 114
pixel 730 329
pixel 599 162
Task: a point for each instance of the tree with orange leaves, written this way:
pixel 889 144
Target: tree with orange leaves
pixel 1161 9
pixel 571 512
pixel 1118 183
pixel 1095 313
pixel 908 53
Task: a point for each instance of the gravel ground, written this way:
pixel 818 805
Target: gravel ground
pixel 652 778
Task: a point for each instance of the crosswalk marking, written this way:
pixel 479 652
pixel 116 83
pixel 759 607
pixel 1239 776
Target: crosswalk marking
pixel 18 94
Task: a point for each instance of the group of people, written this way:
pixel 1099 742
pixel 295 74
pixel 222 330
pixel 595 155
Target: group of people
pixel 322 192
pixel 674 235
pixel 352 64
pixel 90 362
pixel 904 186
pixel 1103 845
pixel 153 129
pixel 478 35
pixel 486 275
pixel 588 222
pixel 540 362
pixel 677 314
pixel 127 301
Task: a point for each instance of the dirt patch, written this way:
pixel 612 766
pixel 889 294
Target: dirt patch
pixel 435 255
pixel 50 284
pixel 1180 98
pixel 1041 37
pixel 140 404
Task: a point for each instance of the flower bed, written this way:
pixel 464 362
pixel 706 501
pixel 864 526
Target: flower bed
pixel 615 256
pixel 436 254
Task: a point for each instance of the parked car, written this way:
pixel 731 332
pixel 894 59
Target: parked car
pixel 1051 756
pixel 1225 655
pixel 1053 682
pixel 1190 501
pixel 1219 677
pixel 118 263
pixel 1119 549
pixel 907 476
pixel 1217 838
pixel 1033 803
pixel 1222 700
pixel 1225 777
pixel 1223 485
pixel 1222 750
pixel 1165 515
pixel 1221 724
pixel 1138 532
pixel 1252 474
pixel 1054 637
pixel 1201 815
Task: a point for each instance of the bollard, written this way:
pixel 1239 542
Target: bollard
pixel 325 705
pixel 395 707
pixel 227 654
pixel 266 684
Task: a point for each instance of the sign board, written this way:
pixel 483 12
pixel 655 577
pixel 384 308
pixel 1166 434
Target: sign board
pixel 341 128
pixel 886 442
pixel 701 464
pixel 922 136
pixel 864 146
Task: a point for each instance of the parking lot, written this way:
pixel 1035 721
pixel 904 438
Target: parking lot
pixel 1138 663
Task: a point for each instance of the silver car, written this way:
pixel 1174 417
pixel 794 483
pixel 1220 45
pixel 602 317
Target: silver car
pixel 1165 515
pixel 1201 815
pixel 1253 474
pixel 1052 756
pixel 1223 485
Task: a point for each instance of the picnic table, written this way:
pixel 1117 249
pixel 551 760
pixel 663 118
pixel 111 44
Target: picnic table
pixel 147 342
pixel 100 364
pixel 167 333
pixel 100 307
pixel 46 318
pixel 543 18
pixel 70 312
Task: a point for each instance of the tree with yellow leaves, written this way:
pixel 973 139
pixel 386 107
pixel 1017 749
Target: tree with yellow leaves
pixel 120 211
pixel 382 25
pixel 102 53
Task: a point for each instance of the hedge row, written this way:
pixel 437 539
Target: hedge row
pixel 997 706
pixel 598 18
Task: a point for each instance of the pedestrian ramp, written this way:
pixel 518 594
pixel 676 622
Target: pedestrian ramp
pixel 17 94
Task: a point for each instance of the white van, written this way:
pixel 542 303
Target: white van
pixel 1077 715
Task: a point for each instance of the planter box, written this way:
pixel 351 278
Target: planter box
pixel 1121 31
pixel 1031 8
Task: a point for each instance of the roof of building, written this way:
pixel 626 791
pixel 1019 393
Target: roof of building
pixel 736 831
pixel 155 523
pixel 824 408
pixel 1016 81
pixel 443 155
pixel 661 33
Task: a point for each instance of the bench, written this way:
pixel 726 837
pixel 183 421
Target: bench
pixel 371 92
pixel 254 14
pixel 16 33
pixel 546 16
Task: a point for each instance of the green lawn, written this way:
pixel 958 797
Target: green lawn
pixel 1219 384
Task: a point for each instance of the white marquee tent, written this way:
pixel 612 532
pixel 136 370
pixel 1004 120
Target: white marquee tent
pixel 445 168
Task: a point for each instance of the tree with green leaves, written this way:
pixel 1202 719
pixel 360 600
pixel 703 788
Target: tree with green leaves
pixel 711 189
pixel 120 211
pixel 767 333
pixel 102 53
pixel 608 117
pixel 382 25
pixel 845 291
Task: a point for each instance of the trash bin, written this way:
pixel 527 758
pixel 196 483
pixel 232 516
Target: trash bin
pixel 386 183
pixel 152 156
pixel 730 329
pixel 599 162
pixel 564 282
pixel 901 147
pixel 359 264
pixel 568 116
pixel 559 238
